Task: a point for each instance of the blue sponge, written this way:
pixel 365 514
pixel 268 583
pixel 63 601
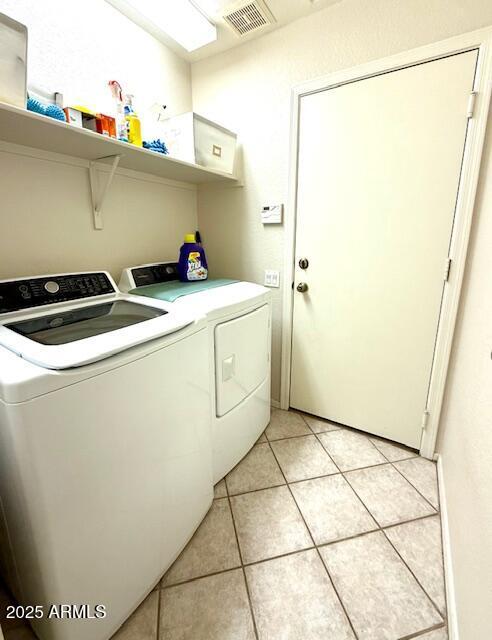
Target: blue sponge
pixel 54 111
pixel 36 106
pixel 156 145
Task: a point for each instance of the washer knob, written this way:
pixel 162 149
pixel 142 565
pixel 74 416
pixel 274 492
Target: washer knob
pixel 51 286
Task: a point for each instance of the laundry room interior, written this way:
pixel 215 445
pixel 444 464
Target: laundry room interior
pixel 245 320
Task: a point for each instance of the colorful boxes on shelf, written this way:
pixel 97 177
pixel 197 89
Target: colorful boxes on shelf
pixel 87 119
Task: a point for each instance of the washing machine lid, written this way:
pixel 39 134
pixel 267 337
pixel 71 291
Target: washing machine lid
pixel 83 322
pixel 78 324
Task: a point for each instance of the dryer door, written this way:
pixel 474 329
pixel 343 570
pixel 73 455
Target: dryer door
pixel 242 357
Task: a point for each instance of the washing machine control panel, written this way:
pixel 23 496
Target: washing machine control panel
pixel 155 273
pixel 35 292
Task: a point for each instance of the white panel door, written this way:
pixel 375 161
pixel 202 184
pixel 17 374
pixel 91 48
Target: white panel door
pixel 379 168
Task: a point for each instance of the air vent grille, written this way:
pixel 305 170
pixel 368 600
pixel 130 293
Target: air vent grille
pixel 247 18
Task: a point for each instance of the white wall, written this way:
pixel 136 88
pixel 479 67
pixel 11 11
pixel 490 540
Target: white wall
pixel 46 219
pixel 77 48
pixel 45 206
pixel 465 440
pixel 248 90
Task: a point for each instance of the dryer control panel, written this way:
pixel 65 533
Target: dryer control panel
pixel 155 273
pixel 26 293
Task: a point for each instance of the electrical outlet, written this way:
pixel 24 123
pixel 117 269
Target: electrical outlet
pixel 272 278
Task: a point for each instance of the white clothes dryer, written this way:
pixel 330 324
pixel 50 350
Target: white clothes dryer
pixel 239 326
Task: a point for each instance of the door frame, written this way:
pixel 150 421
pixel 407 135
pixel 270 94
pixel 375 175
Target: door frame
pixel 481 40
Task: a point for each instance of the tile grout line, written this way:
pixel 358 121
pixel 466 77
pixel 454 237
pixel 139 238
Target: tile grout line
pixel 299 435
pixel 443 560
pixel 280 555
pixel 342 473
pixel 419 634
pixel 315 546
pixel 158 630
pixel 380 528
pixel 337 594
pixel 245 493
pixel 256 444
pixel 326 475
pixel 443 569
pixel 205 575
pixel 393 464
pixel 398 524
pixel 438 513
pixel 415 577
pixel 324 448
pixel 323 544
pixel 290 553
pixel 248 594
pixel 383 530
pixel 410 457
pixel 438 510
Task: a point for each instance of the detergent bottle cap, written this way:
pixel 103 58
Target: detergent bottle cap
pixel 190 237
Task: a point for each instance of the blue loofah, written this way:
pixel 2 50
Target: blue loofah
pixel 54 111
pixel 36 106
pixel 156 145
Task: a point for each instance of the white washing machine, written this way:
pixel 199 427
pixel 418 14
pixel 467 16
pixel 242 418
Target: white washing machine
pixel 105 453
pixel 239 323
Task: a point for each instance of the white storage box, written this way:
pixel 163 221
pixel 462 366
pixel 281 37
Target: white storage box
pixel 195 139
pixel 13 62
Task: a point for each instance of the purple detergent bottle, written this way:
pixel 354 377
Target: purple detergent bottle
pixel 192 264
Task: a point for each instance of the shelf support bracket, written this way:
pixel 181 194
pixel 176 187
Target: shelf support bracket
pixel 98 193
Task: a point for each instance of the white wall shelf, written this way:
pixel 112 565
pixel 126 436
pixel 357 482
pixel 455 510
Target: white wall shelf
pixel 22 127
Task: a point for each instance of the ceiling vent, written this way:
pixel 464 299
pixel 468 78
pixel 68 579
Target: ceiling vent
pixel 247 17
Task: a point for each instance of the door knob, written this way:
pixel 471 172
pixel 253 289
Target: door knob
pixel 302 287
pixel 303 263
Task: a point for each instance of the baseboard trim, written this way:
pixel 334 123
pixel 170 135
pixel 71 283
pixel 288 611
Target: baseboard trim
pixel 275 403
pixel 453 633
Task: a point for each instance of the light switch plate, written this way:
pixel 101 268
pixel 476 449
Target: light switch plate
pixel 272 278
pixel 272 214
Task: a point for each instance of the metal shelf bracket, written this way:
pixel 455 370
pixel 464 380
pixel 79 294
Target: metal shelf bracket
pixel 98 192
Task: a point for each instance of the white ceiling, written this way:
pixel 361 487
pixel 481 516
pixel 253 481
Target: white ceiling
pixel 284 11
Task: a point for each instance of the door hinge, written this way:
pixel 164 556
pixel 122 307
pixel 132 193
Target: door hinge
pixel 447 269
pixel 471 104
pixel 425 419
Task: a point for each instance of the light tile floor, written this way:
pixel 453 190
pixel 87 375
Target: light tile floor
pixel 319 533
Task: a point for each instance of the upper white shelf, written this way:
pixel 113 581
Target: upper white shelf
pixel 23 127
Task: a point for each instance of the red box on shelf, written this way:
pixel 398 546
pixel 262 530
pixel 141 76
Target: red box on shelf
pixel 106 125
